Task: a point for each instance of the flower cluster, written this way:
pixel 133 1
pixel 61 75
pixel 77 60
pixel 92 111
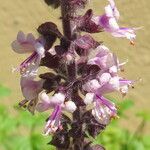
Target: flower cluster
pixel 106 81
pixel 75 80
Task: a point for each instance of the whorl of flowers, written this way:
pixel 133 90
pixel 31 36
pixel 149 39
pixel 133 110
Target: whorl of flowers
pixel 74 81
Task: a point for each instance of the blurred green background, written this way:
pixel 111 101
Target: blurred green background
pixel 19 130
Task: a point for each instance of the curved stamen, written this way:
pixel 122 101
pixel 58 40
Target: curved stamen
pixel 108 104
pixel 54 121
pixel 29 59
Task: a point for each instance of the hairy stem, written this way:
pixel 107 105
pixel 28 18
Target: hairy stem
pixel 68 25
pixel 68 28
pixel 67 14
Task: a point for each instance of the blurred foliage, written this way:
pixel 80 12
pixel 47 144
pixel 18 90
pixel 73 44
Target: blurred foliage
pixel 23 131
pixel 4 91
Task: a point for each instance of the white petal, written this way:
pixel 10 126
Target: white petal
pixel 44 97
pixel 70 106
pixel 39 49
pixel 104 78
pixel 113 25
pixel 113 70
pixel 58 98
pixel 115 11
pixel 44 103
pixel 108 11
pixel 91 86
pixel 114 82
pixel 88 98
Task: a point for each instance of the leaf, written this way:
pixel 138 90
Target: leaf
pixel 49 28
pixel 50 33
pixel 50 61
pixel 60 139
pixel 87 24
pixel 51 81
pixel 4 91
pixel 92 125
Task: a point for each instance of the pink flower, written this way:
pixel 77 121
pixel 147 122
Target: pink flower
pixel 110 85
pixel 106 61
pixel 104 58
pixel 106 83
pixel 47 102
pixel 116 84
pixel 57 101
pixel 103 85
pixel 30 90
pixel 109 22
pixel 103 110
pixel 28 44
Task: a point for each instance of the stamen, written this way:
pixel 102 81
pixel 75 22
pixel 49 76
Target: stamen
pixel 30 60
pixel 106 103
pixel 54 121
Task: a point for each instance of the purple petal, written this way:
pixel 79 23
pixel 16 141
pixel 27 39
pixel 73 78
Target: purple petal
pixel 23 44
pixel 30 88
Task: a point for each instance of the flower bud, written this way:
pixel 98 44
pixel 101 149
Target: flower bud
pixel 70 106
